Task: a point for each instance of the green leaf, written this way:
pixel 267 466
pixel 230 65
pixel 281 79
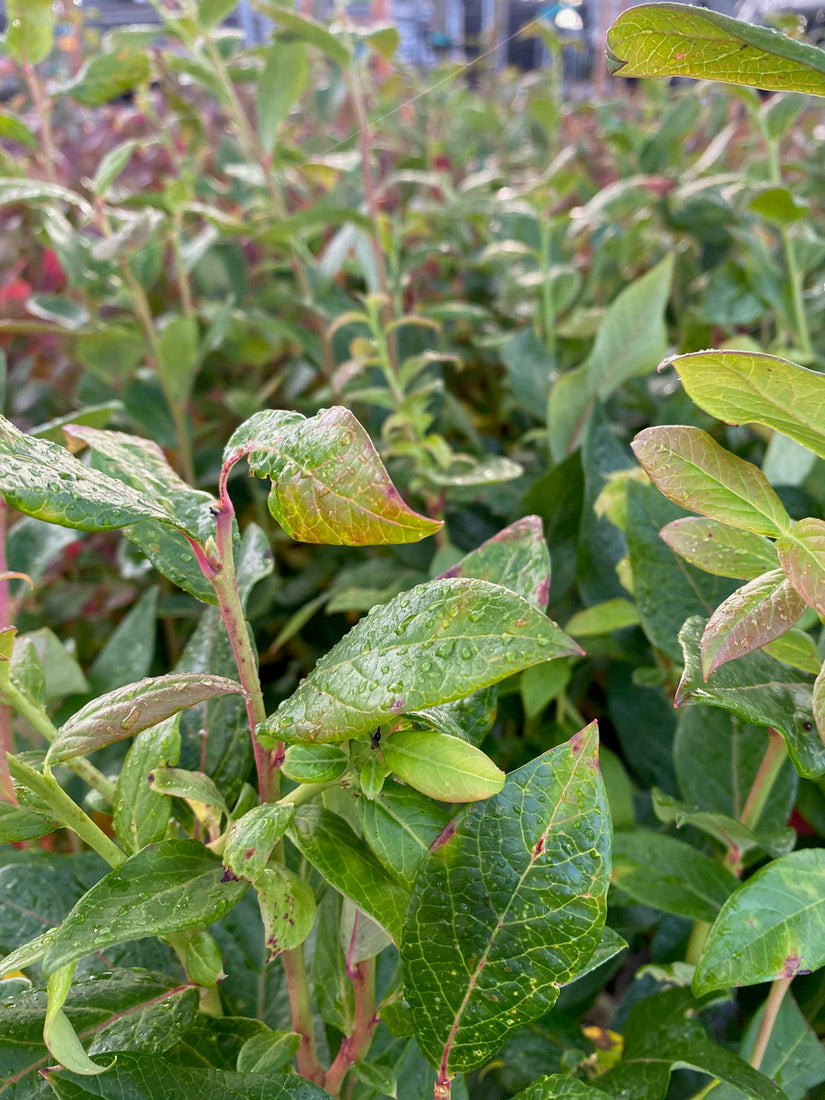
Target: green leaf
pixel 33 192
pixel 756 614
pixel 744 388
pixel 777 205
pixel 677 40
pixel 692 470
pixel 543 683
pixel 21 823
pixel 213 12
pixel 307 30
pixel 603 618
pixel 109 75
pixel 525 871
pixel 128 710
pixel 14 129
pixel 343 859
pixel 797 649
pixel 30 34
pixel 143 1077
pixel 314 763
pixel 328 483
pixel 190 786
pixel 516 558
pixel 438 642
pixel 384 41
pixel 287 909
pixel 64 311
pixel 171 886
pixel 141 814
pixel 179 359
pixel 760 690
pixel 719 548
pixel 443 767
pixel 111 165
pixel 282 82
pixel 59 1035
pixel 269 1052
pixel 632 336
pixel 669 875
pixel 251 838
pixel 129 649
pixel 663 1033
pixel 44 480
pixel 737 838
pixel 771 927
pixel 557 1087
pixel 802 556
pixel 399 825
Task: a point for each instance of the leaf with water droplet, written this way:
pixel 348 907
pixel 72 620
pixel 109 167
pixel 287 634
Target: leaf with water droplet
pixel 719 548
pixel 802 556
pixel 516 558
pixel 515 877
pixel 348 693
pixel 287 906
pixel 170 886
pixel 328 483
pixel 251 839
pixel 758 613
pixel 443 767
pixel 128 710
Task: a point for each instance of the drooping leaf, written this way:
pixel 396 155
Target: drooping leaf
pixel 438 642
pixel 747 388
pixel 190 786
pixel 802 556
pixel 516 558
pixel 677 40
pixel 692 470
pixel 284 77
pixel 771 927
pixel 719 548
pixel 171 886
pixel 756 614
pixel 525 871
pixel 251 838
pixel 328 483
pixel 737 838
pixel 760 690
pixel 143 1077
pixel 128 710
pixel 59 1035
pixel 669 875
pixel 443 767
pixel 343 859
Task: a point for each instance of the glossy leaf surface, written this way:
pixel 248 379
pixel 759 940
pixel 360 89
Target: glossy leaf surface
pixel 677 40
pixel 756 614
pixel 443 767
pixel 516 558
pixel 559 1088
pixel 524 873
pixel 287 906
pixel 692 470
pixel 135 707
pixel 772 927
pixel 170 886
pixel 760 690
pixel 438 642
pixel 744 388
pixel 328 483
pixel 719 548
pixel 314 763
pixel 802 555
pixel 670 875
pixel 250 839
pixel 399 825
pixel 141 814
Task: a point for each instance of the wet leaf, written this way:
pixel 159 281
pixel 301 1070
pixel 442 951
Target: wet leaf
pixel 802 556
pixel 438 642
pixel 676 40
pixel 128 710
pixel 287 909
pixel 314 763
pixel 756 614
pixel 251 839
pixel 557 1087
pixel 772 927
pixel 399 825
pixel 328 483
pixel 140 813
pixel 737 838
pixel 171 886
pixel 343 859
pixel 743 388
pixel 516 558
pixel 692 470
pixel 669 875
pixel 525 871
pixel 760 690
pixel 443 767
pixel 719 548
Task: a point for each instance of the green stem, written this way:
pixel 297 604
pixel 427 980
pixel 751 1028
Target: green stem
pixel 696 942
pixel 548 306
pixel 16 698
pixel 306 792
pixel 47 788
pixel 301 1007
pixel 774 1002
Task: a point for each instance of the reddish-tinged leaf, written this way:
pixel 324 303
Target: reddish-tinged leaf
pixel 328 483
pixel 719 548
pixel 802 556
pixel 818 702
pixel 690 468
pixel 752 616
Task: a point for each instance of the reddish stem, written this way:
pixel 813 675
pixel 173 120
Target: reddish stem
pixel 355 1046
